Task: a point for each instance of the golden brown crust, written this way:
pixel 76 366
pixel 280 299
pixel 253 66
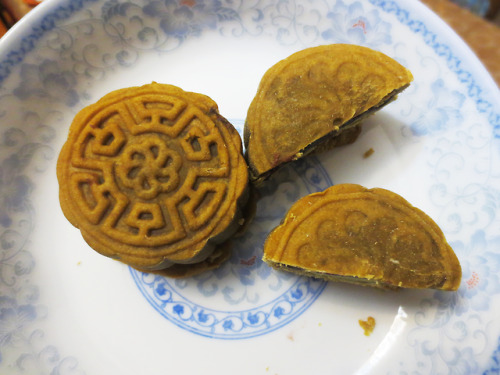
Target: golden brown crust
pixel 365 236
pixel 313 94
pixel 220 255
pixel 152 176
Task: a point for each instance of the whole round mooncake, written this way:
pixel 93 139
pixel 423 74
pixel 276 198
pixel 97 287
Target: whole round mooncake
pixel 153 176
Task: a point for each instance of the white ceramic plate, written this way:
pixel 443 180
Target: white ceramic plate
pixel 64 309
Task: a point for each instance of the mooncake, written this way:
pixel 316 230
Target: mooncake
pixel 371 237
pixel 153 176
pixel 313 96
pixel 214 260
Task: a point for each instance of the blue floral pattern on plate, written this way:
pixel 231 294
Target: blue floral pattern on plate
pixel 79 43
pixel 258 299
pixel 352 24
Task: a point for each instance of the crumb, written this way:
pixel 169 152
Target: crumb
pixel 267 368
pixel 368 325
pixel 290 336
pixel 320 324
pixel 79 263
pixel 368 153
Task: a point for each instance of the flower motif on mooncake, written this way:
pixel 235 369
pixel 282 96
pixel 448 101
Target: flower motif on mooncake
pixel 153 176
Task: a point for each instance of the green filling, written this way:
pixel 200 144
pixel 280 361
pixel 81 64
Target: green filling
pixel 330 277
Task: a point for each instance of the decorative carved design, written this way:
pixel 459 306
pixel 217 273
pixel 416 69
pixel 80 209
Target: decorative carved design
pixel 151 170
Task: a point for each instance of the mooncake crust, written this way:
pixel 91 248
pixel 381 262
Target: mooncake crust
pixel 313 95
pixel 153 176
pixel 364 236
pixel 220 254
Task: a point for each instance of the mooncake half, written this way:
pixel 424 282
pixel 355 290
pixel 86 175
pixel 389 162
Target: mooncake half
pixel 153 176
pixel 311 97
pixel 371 237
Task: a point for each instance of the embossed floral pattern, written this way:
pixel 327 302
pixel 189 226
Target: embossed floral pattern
pixel 149 168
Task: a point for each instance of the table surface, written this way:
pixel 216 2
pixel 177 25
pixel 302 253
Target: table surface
pixel 482 36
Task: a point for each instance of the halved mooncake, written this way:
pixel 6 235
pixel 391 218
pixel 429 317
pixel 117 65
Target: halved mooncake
pixel 364 236
pixel 313 96
pixel 153 176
